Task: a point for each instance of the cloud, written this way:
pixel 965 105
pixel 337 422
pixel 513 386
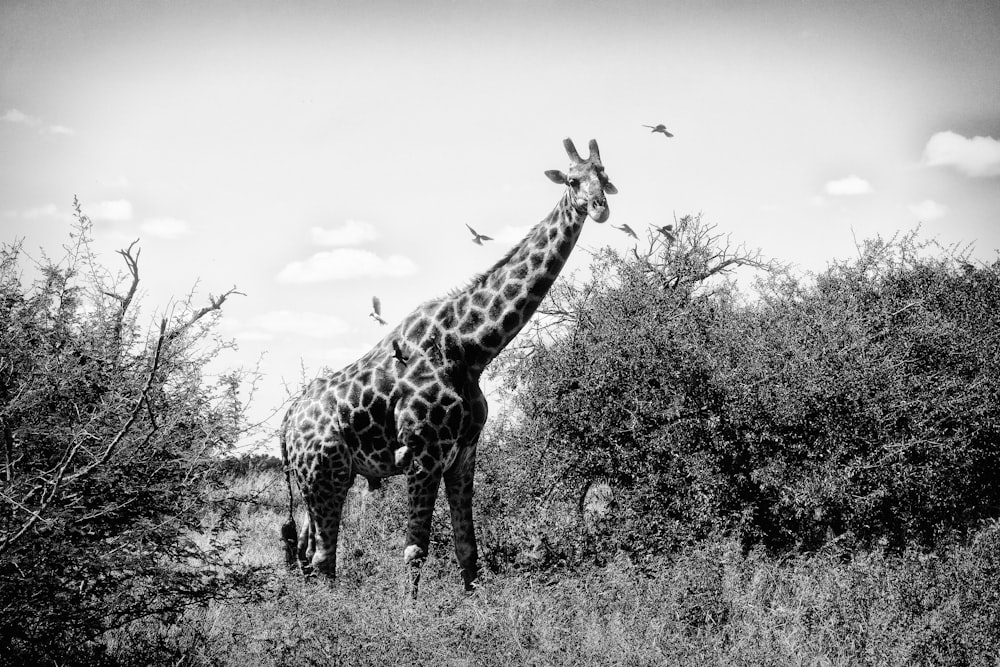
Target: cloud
pixel 976 157
pixel 338 357
pixel 165 228
pixel 37 212
pixel 511 233
pixel 60 129
pixel 44 211
pixel 21 118
pixel 117 210
pixel 302 323
pixel 15 116
pixel 352 232
pixel 117 182
pixel 851 185
pixel 253 336
pixel 345 263
pixel 928 210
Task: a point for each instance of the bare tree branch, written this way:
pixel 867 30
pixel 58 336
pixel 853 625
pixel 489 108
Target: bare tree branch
pixel 48 489
pixel 124 301
pixel 215 303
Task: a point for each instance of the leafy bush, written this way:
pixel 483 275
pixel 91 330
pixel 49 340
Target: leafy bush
pixel 860 405
pixel 108 433
pixel 866 404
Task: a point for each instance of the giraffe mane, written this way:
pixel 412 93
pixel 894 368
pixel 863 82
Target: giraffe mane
pixel 479 279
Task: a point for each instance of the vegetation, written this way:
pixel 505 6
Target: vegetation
pixel 802 476
pixel 108 437
pixel 708 604
pixel 861 406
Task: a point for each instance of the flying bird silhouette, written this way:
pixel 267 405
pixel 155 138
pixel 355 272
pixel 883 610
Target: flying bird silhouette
pixel 376 313
pixel 397 353
pixel 478 238
pixel 628 230
pixel 667 231
pixel 659 128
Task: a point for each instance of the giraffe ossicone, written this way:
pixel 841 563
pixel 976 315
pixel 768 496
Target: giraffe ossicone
pixel 380 416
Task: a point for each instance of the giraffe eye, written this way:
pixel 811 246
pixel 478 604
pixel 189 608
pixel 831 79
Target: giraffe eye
pixel 574 183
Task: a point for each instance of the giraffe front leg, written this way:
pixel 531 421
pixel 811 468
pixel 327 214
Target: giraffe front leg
pixel 458 484
pixel 422 484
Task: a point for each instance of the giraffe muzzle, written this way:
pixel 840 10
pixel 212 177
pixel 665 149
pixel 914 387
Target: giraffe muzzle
pixel 598 209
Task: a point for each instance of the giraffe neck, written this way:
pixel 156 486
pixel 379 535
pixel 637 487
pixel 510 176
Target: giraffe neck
pixel 485 316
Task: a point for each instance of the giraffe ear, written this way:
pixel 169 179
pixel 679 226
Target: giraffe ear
pixel 557 176
pixel 610 189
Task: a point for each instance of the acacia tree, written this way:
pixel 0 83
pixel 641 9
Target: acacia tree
pixel 858 405
pixel 108 434
pixel 865 402
pixel 618 381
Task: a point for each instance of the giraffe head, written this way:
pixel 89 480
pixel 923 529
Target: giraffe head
pixel 586 180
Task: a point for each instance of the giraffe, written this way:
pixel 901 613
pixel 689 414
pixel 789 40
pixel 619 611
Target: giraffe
pixel 413 406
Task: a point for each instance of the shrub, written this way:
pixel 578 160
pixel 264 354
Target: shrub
pixel 865 403
pixel 108 433
pixel 859 404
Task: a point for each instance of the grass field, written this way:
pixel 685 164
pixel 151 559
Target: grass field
pixel 709 605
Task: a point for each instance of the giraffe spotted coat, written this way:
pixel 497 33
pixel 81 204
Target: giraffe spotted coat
pixel 412 405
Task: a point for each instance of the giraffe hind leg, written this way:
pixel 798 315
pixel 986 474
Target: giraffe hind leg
pixel 306 546
pixel 325 504
pixel 289 537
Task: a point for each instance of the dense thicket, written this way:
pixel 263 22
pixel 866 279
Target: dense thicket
pixel 861 404
pixel 108 431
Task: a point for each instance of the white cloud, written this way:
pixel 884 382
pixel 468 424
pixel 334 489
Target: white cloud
pixel 117 182
pixel 166 228
pixel 15 116
pixel 978 156
pixel 338 357
pixel 253 336
pixel 113 211
pixel 345 263
pixel 60 129
pixel 928 210
pixel 511 233
pixel 44 211
pixel 352 232
pixel 851 185
pixel 37 212
pixel 302 323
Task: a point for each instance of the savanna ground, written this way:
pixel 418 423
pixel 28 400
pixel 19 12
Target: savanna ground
pixel 709 604
pixel 804 475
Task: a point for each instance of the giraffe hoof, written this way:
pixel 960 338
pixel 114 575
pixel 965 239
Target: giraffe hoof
pixel 413 554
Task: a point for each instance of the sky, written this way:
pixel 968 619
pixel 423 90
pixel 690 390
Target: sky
pixel 314 154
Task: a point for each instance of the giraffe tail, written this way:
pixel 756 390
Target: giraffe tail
pixel 289 533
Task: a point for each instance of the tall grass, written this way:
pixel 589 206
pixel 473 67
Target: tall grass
pixel 711 604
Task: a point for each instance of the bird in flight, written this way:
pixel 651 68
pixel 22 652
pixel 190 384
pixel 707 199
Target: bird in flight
pixel 397 353
pixel 478 238
pixel 660 128
pixel 667 231
pixel 376 313
pixel 628 230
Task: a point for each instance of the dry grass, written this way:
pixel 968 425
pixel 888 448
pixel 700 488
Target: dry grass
pixel 708 606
